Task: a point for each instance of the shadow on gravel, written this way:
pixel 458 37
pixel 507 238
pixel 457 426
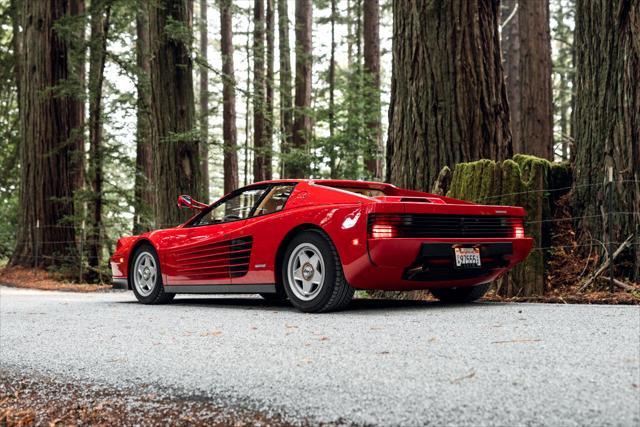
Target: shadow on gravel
pixel 360 306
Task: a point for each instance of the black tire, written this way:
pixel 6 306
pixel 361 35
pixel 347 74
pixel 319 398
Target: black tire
pixel 334 293
pixel 461 295
pixel 157 294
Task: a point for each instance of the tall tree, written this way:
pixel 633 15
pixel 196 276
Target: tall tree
pixel 49 121
pixel 607 123
pixel 302 120
pixel 144 181
pixel 100 11
pixel 229 132
pixel 526 47
pixel 286 99
pixel 448 99
pixel 204 100
pixel 269 83
pixel 259 138
pixel 333 154
pixel 177 159
pixel 371 30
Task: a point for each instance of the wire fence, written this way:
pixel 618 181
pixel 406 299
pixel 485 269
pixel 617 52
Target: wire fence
pixel 86 238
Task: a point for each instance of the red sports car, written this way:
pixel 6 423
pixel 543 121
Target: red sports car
pixel 314 242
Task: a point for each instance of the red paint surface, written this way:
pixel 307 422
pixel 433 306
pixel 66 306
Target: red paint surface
pixel 367 263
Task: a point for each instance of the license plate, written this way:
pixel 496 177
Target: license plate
pixel 467 257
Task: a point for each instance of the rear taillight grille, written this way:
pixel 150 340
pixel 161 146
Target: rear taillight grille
pixel 446 226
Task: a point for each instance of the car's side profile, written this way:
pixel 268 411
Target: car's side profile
pixel 314 242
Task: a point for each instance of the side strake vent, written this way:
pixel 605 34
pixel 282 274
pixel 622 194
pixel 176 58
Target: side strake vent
pixel 447 226
pixel 219 260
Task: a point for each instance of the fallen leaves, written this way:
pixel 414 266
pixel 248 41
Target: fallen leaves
pixel 213 333
pixel 465 377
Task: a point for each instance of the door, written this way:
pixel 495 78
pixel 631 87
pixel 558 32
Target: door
pixel 211 249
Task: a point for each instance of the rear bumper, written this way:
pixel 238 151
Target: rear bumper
pixel 410 264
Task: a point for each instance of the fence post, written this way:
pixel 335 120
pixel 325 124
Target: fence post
pixel 82 237
pixel 610 214
pixel 37 235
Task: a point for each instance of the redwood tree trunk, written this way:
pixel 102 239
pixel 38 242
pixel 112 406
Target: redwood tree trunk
pixel 607 124
pixel 302 120
pixel 229 132
pixel 144 181
pixel 204 102
pixel 48 121
pixel 100 13
pixel 268 125
pixel 258 93
pixel 526 49
pixel 286 100
pixel 177 159
pixel 448 99
pixel 371 24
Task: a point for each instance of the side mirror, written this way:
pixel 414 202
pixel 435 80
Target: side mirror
pixel 186 202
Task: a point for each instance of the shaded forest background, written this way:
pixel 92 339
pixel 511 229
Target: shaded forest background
pixel 111 108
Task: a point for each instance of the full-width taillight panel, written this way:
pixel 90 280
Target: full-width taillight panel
pixel 384 226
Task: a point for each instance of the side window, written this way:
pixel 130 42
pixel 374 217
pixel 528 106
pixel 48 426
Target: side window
pixel 275 200
pixel 235 208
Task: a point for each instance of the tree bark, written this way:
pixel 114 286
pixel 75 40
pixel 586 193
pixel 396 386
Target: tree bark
pixel 259 109
pixel 333 154
pixel 302 120
pixel 371 24
pixel 607 124
pixel 100 14
pixel 286 99
pixel 144 181
pixel 177 162
pixel 49 121
pixel 448 99
pixel 229 132
pixel 204 101
pixel 269 122
pixel 526 50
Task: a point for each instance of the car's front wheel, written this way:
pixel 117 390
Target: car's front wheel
pixel 462 294
pixel 145 277
pixel 312 274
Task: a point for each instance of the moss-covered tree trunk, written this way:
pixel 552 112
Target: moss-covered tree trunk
pixel 522 181
pixel 49 127
pixel 448 98
pixel 607 123
pixel 204 100
pixel 175 142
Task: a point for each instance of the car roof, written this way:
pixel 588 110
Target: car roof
pixel 330 183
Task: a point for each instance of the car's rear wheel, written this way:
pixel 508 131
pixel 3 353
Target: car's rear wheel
pixel 462 294
pixel 312 274
pixel 146 279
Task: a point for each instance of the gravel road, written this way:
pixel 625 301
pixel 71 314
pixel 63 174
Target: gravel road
pixel 380 362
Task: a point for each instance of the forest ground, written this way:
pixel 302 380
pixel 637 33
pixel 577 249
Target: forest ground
pixel 379 362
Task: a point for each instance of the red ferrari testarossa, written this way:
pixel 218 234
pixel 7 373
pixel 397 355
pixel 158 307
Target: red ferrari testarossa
pixel 314 242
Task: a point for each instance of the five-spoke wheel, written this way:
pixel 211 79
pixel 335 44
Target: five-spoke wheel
pixel 312 274
pixel 145 277
pixel 306 271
